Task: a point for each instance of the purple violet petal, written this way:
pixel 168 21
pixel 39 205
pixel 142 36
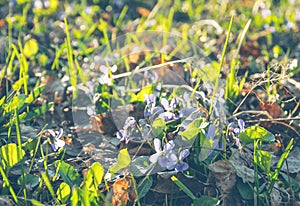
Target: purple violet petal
pixel 241 124
pixel 60 133
pixel 165 103
pixel 182 166
pixel 174 103
pixel 157 145
pixel 183 154
pixel 169 146
pixel 130 122
pixel 236 130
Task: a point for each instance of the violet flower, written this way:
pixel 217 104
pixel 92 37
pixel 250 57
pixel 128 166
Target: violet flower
pixel 182 166
pixel 130 122
pixel 124 134
pixel 241 127
pixel 57 142
pixel 169 106
pixel 166 157
pixel 237 131
pixel 150 100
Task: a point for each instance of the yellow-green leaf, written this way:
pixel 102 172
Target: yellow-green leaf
pixel 94 177
pixel 9 155
pixel 256 133
pixel 123 161
pixel 63 192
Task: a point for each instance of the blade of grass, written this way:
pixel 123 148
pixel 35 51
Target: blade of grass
pixel 71 69
pixel 19 151
pixel 280 164
pixel 221 64
pixel 48 184
pixel 183 187
pixel 12 192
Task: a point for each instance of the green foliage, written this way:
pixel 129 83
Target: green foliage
pixel 194 134
pixel 203 200
pixel 9 155
pixel 139 97
pixel 264 160
pixel 144 186
pixel 158 127
pixel 233 85
pixel 253 133
pixel 68 173
pixel 123 161
pixel 94 177
pixel 63 192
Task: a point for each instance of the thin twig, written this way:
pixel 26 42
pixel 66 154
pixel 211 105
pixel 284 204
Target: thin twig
pixel 136 71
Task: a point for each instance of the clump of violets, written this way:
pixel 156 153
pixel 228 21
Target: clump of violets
pixel 168 110
pixel 167 158
pixel 124 134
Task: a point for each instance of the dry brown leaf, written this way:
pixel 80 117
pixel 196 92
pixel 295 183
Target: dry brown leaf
pixel 224 176
pixel 123 191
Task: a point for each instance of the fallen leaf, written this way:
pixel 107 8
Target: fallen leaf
pixel 103 123
pixel 223 175
pixel 123 191
pixel 272 108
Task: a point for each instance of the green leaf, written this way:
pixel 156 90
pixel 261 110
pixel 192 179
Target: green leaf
pixel 158 127
pixel 144 186
pixel 68 173
pixel 31 48
pixel 141 166
pixel 290 180
pixel 75 196
pixel 94 177
pixel 264 160
pixel 245 190
pixel 123 161
pixel 193 129
pixel 208 72
pixel 183 187
pixel 38 111
pixel 19 83
pixel 139 97
pixel 29 180
pixel 283 157
pixel 206 144
pixel 9 155
pixel 63 192
pixel 33 95
pixel 205 201
pixel 256 133
pixel 48 184
pixel 189 134
pixel 36 203
pixel 16 103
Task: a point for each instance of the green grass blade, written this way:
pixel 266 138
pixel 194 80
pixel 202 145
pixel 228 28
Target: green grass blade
pixel 183 187
pixel 221 64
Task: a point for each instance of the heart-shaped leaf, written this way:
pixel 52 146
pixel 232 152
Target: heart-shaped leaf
pixel 256 133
